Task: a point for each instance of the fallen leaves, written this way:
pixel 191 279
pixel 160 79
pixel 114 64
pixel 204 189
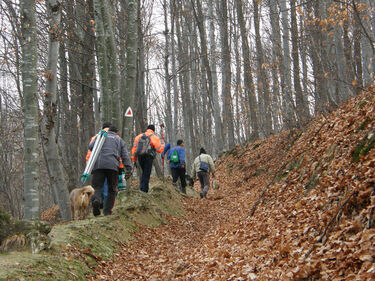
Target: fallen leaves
pixel 218 240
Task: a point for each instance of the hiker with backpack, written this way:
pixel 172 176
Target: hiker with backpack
pixel 104 192
pixel 176 157
pixel 202 167
pixel 145 147
pixel 107 167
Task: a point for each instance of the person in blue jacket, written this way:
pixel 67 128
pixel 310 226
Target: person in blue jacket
pixel 176 157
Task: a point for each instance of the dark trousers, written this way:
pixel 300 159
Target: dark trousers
pixel 204 179
pixel 179 173
pixel 98 178
pixel 146 165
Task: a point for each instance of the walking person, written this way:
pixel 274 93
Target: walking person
pixel 176 157
pixel 107 167
pixel 145 147
pixel 202 167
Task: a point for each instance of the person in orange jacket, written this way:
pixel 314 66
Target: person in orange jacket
pixel 146 158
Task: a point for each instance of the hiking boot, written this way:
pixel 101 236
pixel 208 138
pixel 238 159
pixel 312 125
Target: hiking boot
pixel 96 208
pixel 201 195
pixel 183 190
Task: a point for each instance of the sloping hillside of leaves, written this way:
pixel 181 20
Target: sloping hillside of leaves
pixel 296 206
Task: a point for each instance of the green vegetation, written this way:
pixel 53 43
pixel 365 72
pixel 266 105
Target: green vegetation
pixel 362 104
pixel 77 244
pixel 364 124
pixel 363 147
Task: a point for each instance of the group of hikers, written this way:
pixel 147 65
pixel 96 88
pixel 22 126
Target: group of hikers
pixel 113 160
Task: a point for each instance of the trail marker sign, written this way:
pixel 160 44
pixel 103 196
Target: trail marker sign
pixel 129 112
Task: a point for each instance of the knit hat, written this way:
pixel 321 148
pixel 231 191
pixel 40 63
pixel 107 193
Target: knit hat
pixel 151 127
pixel 202 151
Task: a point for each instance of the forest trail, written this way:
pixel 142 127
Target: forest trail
pixel 294 206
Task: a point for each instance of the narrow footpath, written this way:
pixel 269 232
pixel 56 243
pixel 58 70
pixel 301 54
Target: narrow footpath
pixel 163 253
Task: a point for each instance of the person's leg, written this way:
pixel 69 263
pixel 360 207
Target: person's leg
pixel 174 174
pixel 98 178
pixel 104 193
pixel 112 178
pixel 141 162
pixel 146 172
pixel 181 174
pixel 206 183
pixel 201 181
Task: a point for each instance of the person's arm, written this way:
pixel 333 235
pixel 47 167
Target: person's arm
pixel 126 161
pixel 134 148
pixel 193 172
pixel 91 145
pixel 166 149
pixel 212 165
pixel 169 154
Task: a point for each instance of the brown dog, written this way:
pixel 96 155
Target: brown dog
pixel 80 200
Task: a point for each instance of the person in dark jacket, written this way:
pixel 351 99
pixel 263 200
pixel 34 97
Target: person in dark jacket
pixel 178 169
pixel 107 167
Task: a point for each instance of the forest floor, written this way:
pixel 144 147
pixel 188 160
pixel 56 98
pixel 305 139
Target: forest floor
pixel 294 206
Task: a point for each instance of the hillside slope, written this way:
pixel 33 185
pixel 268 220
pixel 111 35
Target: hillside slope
pixel 295 206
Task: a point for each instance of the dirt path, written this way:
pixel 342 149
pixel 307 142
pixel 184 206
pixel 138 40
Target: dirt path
pixel 163 253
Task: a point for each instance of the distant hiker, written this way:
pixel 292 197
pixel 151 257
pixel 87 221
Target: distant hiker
pixel 176 157
pixel 145 147
pixel 202 167
pixel 107 167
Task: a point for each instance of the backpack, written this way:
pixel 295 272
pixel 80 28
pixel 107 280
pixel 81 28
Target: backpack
pixel 203 166
pixel 174 157
pixel 144 146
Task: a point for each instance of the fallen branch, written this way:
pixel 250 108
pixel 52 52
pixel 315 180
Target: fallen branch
pixel 329 226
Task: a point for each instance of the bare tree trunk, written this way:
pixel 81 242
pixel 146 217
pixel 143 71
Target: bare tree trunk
pixel 288 101
pixel 168 116
pixel 86 118
pixel 114 72
pixel 182 34
pixel 248 77
pixel 141 121
pixel 75 90
pixel 263 91
pixel 367 54
pixel 131 68
pixel 219 144
pixel 301 101
pixel 65 112
pixel 102 59
pixel 277 63
pixel 30 108
pixel 173 8
pixel 357 36
pixel 222 11
pixel 212 94
pixel 55 169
